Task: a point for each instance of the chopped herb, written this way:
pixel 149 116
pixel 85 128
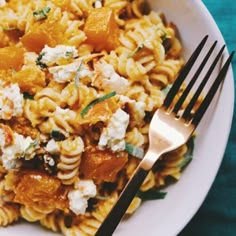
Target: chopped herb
pixel 152 194
pixel 136 50
pixel 28 96
pixel 31 145
pixel 39 61
pixel 78 74
pixel 94 102
pixel 41 14
pixel 189 154
pixel 57 135
pixel 134 151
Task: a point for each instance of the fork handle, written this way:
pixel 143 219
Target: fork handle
pixel 117 212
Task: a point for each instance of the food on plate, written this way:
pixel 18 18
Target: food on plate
pixel 79 83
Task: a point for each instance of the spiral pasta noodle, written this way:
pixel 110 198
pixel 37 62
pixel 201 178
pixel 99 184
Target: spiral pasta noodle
pixel 33 214
pixel 89 226
pixel 54 221
pixel 70 158
pixel 135 137
pixel 79 82
pixel 9 213
pixel 170 166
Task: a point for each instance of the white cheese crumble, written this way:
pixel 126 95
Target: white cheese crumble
pixel 67 73
pixel 52 147
pixel 78 198
pixel 18 149
pixel 113 135
pixel 138 107
pixel 98 4
pixel 49 160
pixel 11 102
pixel 107 78
pixel 58 54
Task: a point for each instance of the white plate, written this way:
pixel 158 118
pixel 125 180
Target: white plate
pixel 168 217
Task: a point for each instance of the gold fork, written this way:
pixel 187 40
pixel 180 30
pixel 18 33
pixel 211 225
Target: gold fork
pixel 170 127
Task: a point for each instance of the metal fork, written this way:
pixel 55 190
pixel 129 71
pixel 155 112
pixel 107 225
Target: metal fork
pixel 170 128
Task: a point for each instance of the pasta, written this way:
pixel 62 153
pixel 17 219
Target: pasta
pixel 79 83
pixel 70 156
pixel 9 213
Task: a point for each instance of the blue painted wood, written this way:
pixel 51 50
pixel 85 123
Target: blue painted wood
pixel 217 215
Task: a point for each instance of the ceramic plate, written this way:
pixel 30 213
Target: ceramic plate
pixel 169 216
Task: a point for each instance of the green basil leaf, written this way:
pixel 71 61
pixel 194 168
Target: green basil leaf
pixel 39 62
pixel 94 102
pixel 41 14
pixel 134 151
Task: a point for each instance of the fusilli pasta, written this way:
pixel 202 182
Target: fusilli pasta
pixel 79 83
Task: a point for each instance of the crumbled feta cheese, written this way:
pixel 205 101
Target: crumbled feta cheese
pixel 49 160
pixel 12 153
pixel 52 147
pixel 67 73
pixel 86 187
pixel 11 102
pixel 107 79
pixel 113 135
pixel 78 198
pixel 57 55
pixel 137 107
pixel 98 4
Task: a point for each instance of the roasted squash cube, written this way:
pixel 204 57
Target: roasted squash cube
pixel 101 29
pixel 11 57
pixel 102 165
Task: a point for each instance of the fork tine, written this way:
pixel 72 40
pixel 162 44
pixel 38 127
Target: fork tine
pixel 193 80
pixel 183 74
pixel 207 100
pixel 195 97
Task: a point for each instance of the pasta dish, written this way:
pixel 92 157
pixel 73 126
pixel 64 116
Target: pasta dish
pixel 79 83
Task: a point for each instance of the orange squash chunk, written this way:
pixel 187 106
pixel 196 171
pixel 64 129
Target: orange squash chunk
pixel 13 34
pixel 30 79
pixel 102 165
pixel 35 40
pixel 50 33
pixel 37 187
pixel 101 29
pixel 101 111
pixel 11 57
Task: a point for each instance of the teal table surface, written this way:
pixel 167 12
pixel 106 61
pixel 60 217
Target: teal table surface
pixel 217 215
